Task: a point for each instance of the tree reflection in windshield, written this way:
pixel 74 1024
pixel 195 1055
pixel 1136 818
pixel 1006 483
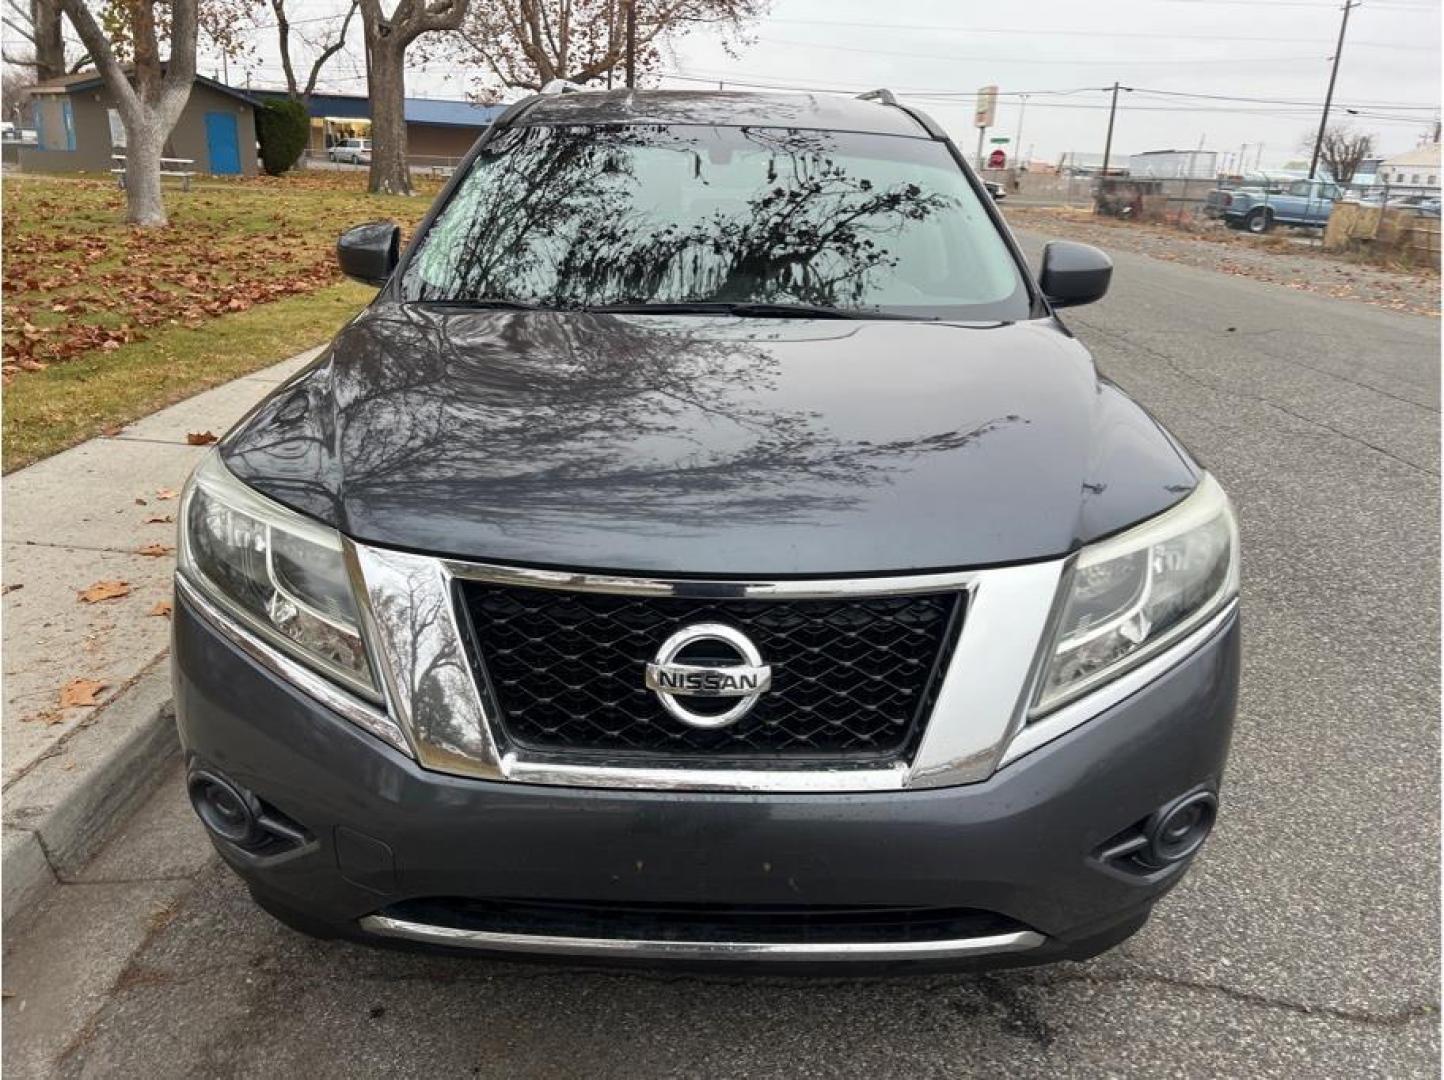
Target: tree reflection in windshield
pixel 589 216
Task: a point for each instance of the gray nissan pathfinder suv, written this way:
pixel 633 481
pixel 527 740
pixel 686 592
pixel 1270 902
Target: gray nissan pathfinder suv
pixel 710 546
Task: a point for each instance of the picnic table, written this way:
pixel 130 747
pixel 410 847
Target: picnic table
pixel 169 166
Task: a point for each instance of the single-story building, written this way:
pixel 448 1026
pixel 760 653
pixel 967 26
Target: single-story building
pixel 438 132
pixel 1414 168
pixel 77 128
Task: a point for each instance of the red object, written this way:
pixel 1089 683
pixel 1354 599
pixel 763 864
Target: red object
pixel 997 159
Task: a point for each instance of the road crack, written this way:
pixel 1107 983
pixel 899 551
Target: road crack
pixel 1173 365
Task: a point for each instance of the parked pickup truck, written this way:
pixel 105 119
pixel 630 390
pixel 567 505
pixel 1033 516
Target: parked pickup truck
pixel 1303 202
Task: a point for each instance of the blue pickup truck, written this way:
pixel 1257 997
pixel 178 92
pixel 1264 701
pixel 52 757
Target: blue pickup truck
pixel 1302 202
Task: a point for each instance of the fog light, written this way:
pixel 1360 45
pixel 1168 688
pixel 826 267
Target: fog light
pixel 1179 829
pixel 224 808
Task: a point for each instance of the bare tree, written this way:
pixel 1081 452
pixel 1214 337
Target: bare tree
pixel 327 47
pixel 1341 151
pixel 527 43
pixel 387 39
pixel 150 108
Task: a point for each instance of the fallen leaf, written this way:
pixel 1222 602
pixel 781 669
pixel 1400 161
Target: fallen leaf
pixel 160 519
pixel 200 438
pixel 109 589
pixel 10 589
pixel 155 551
pixel 80 692
pixel 139 501
pixel 166 493
pixel 162 608
pixel 112 431
pixel 48 717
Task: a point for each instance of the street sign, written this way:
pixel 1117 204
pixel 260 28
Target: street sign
pixel 986 108
pixel 997 160
pixel 999 140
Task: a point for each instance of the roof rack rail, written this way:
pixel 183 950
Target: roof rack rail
pixel 882 94
pixel 561 86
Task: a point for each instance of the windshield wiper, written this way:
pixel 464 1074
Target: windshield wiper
pixel 486 302
pixel 745 309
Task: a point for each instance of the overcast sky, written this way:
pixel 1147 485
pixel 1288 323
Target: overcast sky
pixel 1060 53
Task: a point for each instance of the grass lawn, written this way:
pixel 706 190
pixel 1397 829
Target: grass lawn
pixel 104 323
pixel 66 403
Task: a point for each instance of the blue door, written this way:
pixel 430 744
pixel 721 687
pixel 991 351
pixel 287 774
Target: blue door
pixel 222 144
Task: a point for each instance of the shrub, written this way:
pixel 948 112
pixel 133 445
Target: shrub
pixel 282 128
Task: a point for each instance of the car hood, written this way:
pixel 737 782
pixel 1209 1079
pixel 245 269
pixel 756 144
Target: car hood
pixel 709 445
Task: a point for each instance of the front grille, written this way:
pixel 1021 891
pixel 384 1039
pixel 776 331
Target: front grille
pixel 851 677
pixel 762 923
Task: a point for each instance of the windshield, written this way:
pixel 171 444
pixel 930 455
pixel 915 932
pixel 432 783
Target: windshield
pixel 572 217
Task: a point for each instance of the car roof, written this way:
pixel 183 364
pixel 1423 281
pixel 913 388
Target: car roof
pixel 723 108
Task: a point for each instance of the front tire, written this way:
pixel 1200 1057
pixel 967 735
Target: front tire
pixel 1259 221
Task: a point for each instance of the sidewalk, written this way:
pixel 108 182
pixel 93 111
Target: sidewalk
pixel 83 518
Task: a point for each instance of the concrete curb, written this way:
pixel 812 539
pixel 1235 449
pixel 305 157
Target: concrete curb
pixel 63 810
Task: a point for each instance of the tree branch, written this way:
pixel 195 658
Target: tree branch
pixel 330 51
pixel 98 45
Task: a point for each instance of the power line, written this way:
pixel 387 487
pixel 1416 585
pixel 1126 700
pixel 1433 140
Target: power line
pixel 1037 32
pixel 1070 61
pixel 1298 110
pixel 1281 101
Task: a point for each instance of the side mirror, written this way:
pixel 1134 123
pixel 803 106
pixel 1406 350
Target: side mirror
pixel 1074 273
pixel 370 252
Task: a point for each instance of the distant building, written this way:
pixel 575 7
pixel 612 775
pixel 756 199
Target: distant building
pixel 1414 168
pixel 1174 165
pixel 77 128
pixel 437 131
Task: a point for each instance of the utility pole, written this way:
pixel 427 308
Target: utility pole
pixel 1349 6
pixel 631 43
pixel 1018 136
pixel 1108 142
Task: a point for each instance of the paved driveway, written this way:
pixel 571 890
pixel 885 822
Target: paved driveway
pixel 1304 943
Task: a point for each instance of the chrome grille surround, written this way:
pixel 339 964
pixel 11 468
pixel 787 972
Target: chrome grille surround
pixel 416 630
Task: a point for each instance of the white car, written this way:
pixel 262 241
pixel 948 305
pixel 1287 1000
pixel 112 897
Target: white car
pixel 356 151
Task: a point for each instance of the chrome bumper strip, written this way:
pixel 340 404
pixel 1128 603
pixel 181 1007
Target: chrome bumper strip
pixel 628 948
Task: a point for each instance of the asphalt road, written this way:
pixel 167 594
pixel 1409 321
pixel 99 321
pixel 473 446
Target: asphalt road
pixel 1303 943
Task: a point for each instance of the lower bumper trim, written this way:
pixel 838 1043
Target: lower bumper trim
pixel 811 951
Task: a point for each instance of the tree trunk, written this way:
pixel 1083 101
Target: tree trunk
pixel 390 174
pixel 49 40
pixel 150 108
pixel 144 145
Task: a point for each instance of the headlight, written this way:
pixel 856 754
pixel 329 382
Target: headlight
pixel 1135 593
pixel 281 574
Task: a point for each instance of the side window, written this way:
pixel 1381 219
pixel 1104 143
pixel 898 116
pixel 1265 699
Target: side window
pixel 1299 187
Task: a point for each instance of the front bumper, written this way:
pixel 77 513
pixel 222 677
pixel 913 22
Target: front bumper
pixel 384 831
